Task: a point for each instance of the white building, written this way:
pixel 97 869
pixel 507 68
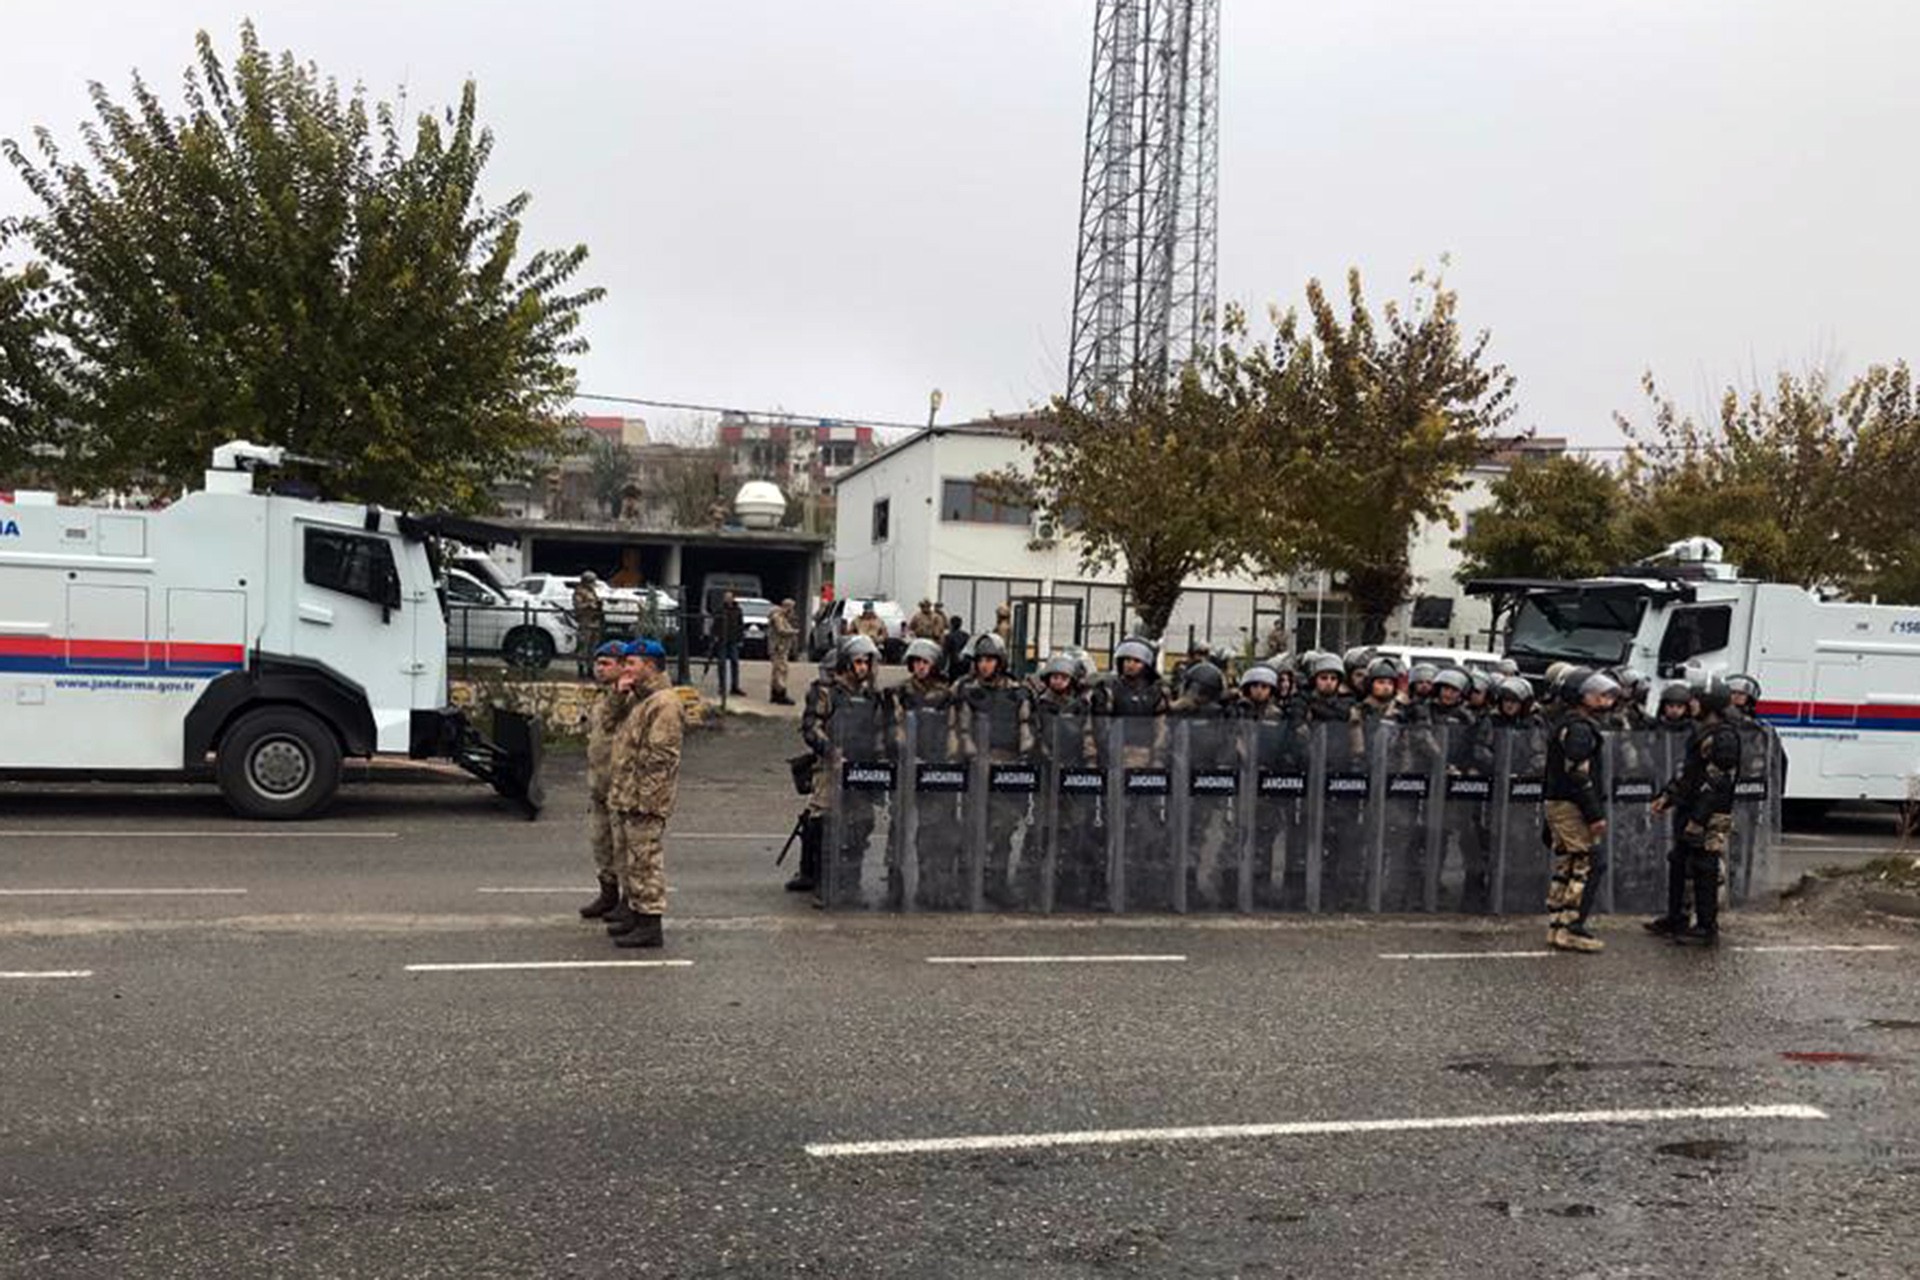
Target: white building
pixel 914 524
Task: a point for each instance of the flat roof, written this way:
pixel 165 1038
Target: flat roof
pixel 612 531
pixel 1009 427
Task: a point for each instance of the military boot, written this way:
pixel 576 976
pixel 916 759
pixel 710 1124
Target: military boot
pixel 804 879
pixel 645 933
pixel 1561 938
pixel 609 899
pixel 621 919
pixel 1578 929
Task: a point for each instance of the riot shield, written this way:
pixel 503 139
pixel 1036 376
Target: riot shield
pixel 1073 809
pixel 928 848
pixel 1409 782
pixel 1139 790
pixel 1004 853
pixel 1213 874
pixel 1346 822
pixel 1463 879
pixel 1274 834
pixel 854 870
pixel 1522 860
pixel 1755 799
pixel 1637 766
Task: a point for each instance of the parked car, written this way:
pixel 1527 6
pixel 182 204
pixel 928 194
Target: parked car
pixel 836 619
pixel 526 632
pixel 1411 655
pixel 627 611
pixel 755 610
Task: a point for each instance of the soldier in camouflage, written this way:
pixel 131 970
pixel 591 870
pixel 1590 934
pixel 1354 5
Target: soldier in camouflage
pixel 1576 819
pixel 603 719
pixel 1701 798
pixel 646 779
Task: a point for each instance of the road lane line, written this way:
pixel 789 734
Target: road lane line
pixel 1821 946
pixel 110 833
pixel 1463 955
pixel 496 966
pixel 120 893
pixel 1304 1128
pixel 1884 850
pixel 45 973
pixel 1080 959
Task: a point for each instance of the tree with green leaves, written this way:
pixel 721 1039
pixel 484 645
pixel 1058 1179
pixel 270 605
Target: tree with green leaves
pixel 35 374
pixel 1555 517
pixel 1382 420
pixel 1152 481
pixel 1799 484
pixel 289 263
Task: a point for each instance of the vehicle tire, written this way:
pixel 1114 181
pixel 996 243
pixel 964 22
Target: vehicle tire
pixel 279 763
pixel 528 649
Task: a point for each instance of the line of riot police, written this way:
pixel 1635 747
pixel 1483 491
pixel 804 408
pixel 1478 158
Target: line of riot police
pixel 1322 782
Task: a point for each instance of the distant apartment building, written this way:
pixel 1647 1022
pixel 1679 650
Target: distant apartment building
pixel 803 458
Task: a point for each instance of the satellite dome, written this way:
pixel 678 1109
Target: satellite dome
pixel 760 505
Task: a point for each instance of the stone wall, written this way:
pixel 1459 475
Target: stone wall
pixel 560 706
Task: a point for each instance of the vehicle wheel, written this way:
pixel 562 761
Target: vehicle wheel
pixel 278 763
pixel 528 648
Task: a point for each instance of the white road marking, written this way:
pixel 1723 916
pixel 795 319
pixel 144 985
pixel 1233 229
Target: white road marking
pixel 1305 1128
pixel 1463 955
pixel 498 965
pixel 46 973
pixel 1823 946
pixel 120 893
pixel 1083 959
pixel 728 835
pixel 112 833
pixel 1884 850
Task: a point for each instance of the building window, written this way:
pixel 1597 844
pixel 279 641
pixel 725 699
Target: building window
pixel 881 510
pixel 837 453
pixel 963 501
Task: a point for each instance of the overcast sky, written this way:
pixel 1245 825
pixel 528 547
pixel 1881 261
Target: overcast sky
pixel 833 206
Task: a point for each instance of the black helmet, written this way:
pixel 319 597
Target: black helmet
pixel 1382 669
pixel 1744 684
pixel 1207 679
pixel 1571 678
pixel 1676 695
pixel 989 646
pixel 1713 694
pixel 1452 678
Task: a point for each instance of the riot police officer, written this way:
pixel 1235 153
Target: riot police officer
pixel 918 706
pixel 1576 818
pixel 1676 709
pixel 1701 797
pixel 993 720
pixel 845 719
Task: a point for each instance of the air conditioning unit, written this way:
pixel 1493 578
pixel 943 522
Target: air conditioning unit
pixel 1045 530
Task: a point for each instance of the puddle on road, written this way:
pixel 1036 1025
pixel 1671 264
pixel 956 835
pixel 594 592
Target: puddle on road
pixel 1704 1149
pixel 1531 1075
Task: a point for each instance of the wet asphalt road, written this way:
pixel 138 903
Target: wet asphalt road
pixel 254 1083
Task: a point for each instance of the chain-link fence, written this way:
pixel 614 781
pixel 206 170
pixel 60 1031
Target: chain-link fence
pixel 1082 813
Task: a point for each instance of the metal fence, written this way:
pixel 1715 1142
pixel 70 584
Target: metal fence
pixel 1081 813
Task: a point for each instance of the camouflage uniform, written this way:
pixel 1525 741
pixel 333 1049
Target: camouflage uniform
pixel 603 723
pixel 646 776
pixel 781 633
pixel 926 624
pixel 1573 807
pixel 589 618
pixel 874 628
pixel 844 719
pixel 993 721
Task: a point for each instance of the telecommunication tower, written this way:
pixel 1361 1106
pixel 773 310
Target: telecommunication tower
pixel 1145 266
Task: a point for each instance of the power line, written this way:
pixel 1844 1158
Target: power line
pixel 787 414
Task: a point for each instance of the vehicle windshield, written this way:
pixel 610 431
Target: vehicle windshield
pixel 1577 625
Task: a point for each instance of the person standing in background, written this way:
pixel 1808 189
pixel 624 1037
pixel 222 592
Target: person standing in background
pixel 782 631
